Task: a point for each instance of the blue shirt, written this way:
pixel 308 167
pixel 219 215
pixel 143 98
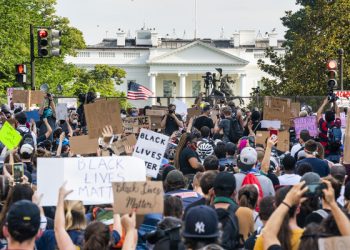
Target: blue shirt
pixel 319 166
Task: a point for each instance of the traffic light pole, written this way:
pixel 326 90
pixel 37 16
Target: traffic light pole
pixel 32 58
pixel 341 54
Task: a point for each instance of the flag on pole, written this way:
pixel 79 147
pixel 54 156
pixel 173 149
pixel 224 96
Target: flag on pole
pixel 138 92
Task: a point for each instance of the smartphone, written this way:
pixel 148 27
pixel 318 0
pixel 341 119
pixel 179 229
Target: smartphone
pixel 315 189
pixel 18 172
pixel 273 132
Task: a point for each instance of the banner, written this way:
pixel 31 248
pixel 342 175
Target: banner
pixel 9 136
pixel 150 147
pixel 90 178
pixel 147 197
pixel 61 111
pixel 100 114
pixel 309 123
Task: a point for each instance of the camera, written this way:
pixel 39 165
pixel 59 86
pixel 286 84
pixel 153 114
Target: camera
pixel 315 190
pixel 171 111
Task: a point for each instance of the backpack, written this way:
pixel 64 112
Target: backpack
pixel 235 132
pixel 27 138
pixel 251 179
pixel 296 154
pixel 334 136
pixel 230 237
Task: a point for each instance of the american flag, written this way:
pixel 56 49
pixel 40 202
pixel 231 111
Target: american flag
pixel 138 92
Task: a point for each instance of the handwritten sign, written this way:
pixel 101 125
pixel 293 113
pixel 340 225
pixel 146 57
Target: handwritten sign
pixel 331 243
pixel 9 136
pixel 147 197
pixel 151 146
pixel 309 123
pixel 103 113
pixel 133 124
pixel 61 111
pixel 156 116
pixel 283 139
pixel 28 97
pixel 83 145
pixel 119 146
pixel 193 112
pixel 278 109
pixel 295 109
pixel 90 178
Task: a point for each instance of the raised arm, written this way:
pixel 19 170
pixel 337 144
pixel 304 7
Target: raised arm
pixel 265 164
pixel 48 128
pixel 321 108
pixel 129 224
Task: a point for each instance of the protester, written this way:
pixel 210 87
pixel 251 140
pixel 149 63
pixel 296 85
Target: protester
pixel 204 119
pixel 171 121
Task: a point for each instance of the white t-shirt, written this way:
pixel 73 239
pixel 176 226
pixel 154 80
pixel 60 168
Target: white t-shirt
pixel 289 179
pixel 295 149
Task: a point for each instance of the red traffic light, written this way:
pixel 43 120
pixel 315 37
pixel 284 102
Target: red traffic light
pixel 332 65
pixel 43 33
pixel 21 69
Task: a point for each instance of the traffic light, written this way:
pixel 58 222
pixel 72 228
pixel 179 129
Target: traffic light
pixel 55 42
pixel 43 36
pixel 332 68
pixel 21 73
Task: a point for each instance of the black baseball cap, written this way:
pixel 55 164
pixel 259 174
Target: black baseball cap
pixel 225 181
pixel 23 220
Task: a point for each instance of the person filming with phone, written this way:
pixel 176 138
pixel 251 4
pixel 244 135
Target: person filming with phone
pixel 171 121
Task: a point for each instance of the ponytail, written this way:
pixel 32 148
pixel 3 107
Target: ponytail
pixel 97 236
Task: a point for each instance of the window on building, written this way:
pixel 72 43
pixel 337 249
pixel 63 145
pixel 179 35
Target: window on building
pixel 259 55
pixel 106 54
pixel 261 85
pixel 196 87
pixel 83 54
pixel 167 88
pixel 131 55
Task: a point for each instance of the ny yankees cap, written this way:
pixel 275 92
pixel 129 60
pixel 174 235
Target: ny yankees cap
pixel 201 222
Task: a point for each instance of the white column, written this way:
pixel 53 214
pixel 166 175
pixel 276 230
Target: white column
pixel 243 85
pixel 182 86
pixel 152 81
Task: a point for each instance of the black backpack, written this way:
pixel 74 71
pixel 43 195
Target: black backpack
pixel 27 138
pixel 236 132
pixel 230 238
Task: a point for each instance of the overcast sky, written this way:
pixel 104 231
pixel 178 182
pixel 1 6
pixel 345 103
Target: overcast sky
pixel 98 18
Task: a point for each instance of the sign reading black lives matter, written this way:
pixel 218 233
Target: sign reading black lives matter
pixel 150 147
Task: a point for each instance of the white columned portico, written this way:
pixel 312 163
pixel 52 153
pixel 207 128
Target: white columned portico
pixel 243 85
pixel 152 83
pixel 182 93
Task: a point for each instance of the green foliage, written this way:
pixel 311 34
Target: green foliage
pixel 314 35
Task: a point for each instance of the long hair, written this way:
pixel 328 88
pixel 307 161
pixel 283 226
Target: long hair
pixel 97 236
pixel 74 215
pixel 248 196
pixel 180 146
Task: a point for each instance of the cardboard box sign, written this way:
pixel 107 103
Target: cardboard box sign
pixel 283 139
pixel 103 113
pixel 119 146
pixel 28 97
pixel 134 124
pixel 192 112
pixel 295 109
pixel 278 109
pixel 83 145
pixel 147 197
pixel 155 112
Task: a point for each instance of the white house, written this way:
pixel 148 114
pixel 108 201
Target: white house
pixel 173 67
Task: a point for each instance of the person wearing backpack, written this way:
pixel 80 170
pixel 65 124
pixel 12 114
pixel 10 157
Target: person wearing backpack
pixel 330 131
pixel 28 137
pixel 229 127
pixel 237 222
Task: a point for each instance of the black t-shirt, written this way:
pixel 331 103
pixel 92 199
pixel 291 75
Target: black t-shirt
pixel 171 125
pixel 202 121
pixel 275 247
pixel 185 166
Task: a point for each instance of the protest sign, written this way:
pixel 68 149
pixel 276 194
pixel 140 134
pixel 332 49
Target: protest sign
pixel 151 146
pixel 332 243
pixel 295 109
pixel 34 114
pixel 181 107
pixel 21 96
pixel 103 113
pixel 133 124
pixel 119 146
pixel 61 111
pixel 346 159
pixel 71 102
pixel 283 139
pixel 156 116
pixel 90 178
pixel 9 136
pixel 147 197
pixel 278 109
pixel 271 124
pixel 309 123
pixel 37 97
pixel 193 112
pixel 83 145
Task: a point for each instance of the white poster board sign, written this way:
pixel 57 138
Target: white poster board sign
pixel 61 111
pixel 271 124
pixel 150 146
pixel 181 107
pixel 90 178
pixel 71 102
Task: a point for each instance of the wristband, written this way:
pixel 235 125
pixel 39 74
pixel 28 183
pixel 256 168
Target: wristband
pixel 286 204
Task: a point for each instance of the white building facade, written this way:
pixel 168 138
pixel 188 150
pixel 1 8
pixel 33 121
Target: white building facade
pixel 173 67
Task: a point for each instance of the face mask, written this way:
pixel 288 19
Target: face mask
pixel 134 114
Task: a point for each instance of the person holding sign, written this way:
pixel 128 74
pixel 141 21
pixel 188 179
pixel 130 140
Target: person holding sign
pixel 47 111
pixel 171 121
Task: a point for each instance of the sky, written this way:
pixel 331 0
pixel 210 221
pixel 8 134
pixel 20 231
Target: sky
pixel 98 19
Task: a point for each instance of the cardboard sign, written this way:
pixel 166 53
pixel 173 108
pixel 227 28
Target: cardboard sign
pixel 9 136
pixel 346 159
pixel 36 97
pixel 103 113
pixel 83 145
pixel 278 109
pixel 309 123
pixel 28 97
pixel 119 146
pixel 71 102
pixel 61 111
pixel 90 178
pixel 134 124
pixel 192 112
pixel 332 243
pixel 295 109
pixel 150 147
pixel 34 114
pixel 147 197
pixel 283 139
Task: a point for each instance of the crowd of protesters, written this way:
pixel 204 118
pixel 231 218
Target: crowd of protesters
pixel 222 190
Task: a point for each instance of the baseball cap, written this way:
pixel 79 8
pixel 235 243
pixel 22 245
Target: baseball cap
pixel 175 178
pixel 26 148
pixel 201 222
pixel 247 158
pixel 225 181
pixel 23 219
pixel 310 178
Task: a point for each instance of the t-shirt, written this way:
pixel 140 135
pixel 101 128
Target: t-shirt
pixel 185 166
pixel 171 125
pixel 318 166
pixel 225 125
pixel 265 183
pixel 202 121
pixel 187 196
pixel 48 241
pixel 295 240
pixel 289 179
pixel 295 149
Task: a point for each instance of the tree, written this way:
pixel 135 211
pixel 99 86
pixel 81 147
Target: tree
pixel 314 35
